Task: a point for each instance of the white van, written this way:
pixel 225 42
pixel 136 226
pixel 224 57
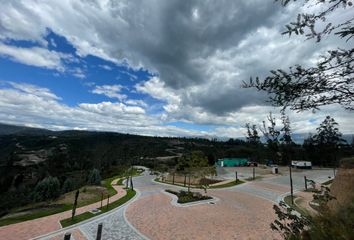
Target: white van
pixel 301 164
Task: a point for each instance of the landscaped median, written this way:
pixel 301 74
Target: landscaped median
pixel 187 197
pixel 84 216
pixel 225 184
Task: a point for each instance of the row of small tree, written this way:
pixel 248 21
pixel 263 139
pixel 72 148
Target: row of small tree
pixel 280 144
pixel 194 164
pixel 49 188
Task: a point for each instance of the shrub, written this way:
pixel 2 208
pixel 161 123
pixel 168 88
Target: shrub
pixel 47 189
pixel 94 177
pixel 68 185
pixel 185 196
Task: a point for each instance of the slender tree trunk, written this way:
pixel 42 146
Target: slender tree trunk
pixel 127 182
pixel 131 183
pixel 75 205
pixel 173 178
pixel 291 186
pixel 185 180
pixel 101 199
pixel 189 182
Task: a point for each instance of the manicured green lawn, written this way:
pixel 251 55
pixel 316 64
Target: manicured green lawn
pixel 81 217
pixel 230 184
pixel 226 185
pixel 32 216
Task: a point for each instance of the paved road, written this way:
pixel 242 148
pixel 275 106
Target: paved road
pixel 242 212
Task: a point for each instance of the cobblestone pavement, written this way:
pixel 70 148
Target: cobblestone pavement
pixel 242 212
pixel 114 227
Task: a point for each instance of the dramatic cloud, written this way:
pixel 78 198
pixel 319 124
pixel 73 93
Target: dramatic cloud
pixel 35 56
pixel 198 53
pixel 111 91
pixel 41 108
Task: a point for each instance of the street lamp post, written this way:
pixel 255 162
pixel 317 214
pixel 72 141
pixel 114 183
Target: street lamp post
pixel 291 185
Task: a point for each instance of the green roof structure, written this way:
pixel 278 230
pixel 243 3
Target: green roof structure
pixel 232 162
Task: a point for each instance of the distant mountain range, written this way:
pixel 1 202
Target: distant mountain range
pixel 7 129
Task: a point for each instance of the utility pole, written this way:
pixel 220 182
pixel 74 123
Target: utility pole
pixel 131 182
pixel 101 198
pixel 335 162
pixel 75 205
pixel 107 203
pixel 291 185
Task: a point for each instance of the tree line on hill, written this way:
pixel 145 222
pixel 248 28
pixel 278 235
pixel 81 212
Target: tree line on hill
pixel 69 157
pixel 323 148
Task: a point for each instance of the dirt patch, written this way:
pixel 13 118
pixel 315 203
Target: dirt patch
pixel 86 194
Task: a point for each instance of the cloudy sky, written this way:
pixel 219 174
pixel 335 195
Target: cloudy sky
pixel 164 68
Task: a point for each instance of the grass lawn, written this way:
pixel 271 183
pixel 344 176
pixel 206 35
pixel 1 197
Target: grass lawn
pixel 47 212
pixel 226 185
pixel 302 211
pixel 328 182
pixel 88 195
pixel 230 184
pixel 81 217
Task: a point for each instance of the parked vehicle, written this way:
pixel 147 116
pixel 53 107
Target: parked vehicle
pixel 252 164
pixel 301 164
pixel 269 163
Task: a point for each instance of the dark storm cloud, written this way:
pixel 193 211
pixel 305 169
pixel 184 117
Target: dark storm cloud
pixel 196 29
pixel 200 50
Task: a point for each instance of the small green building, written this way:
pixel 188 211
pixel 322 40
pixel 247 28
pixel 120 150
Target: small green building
pixel 231 162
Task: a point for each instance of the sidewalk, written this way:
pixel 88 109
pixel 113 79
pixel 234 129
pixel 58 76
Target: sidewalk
pixel 33 228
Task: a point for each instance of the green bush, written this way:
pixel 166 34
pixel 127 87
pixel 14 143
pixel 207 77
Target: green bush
pixel 47 189
pixel 94 177
pixel 68 185
pixel 185 196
